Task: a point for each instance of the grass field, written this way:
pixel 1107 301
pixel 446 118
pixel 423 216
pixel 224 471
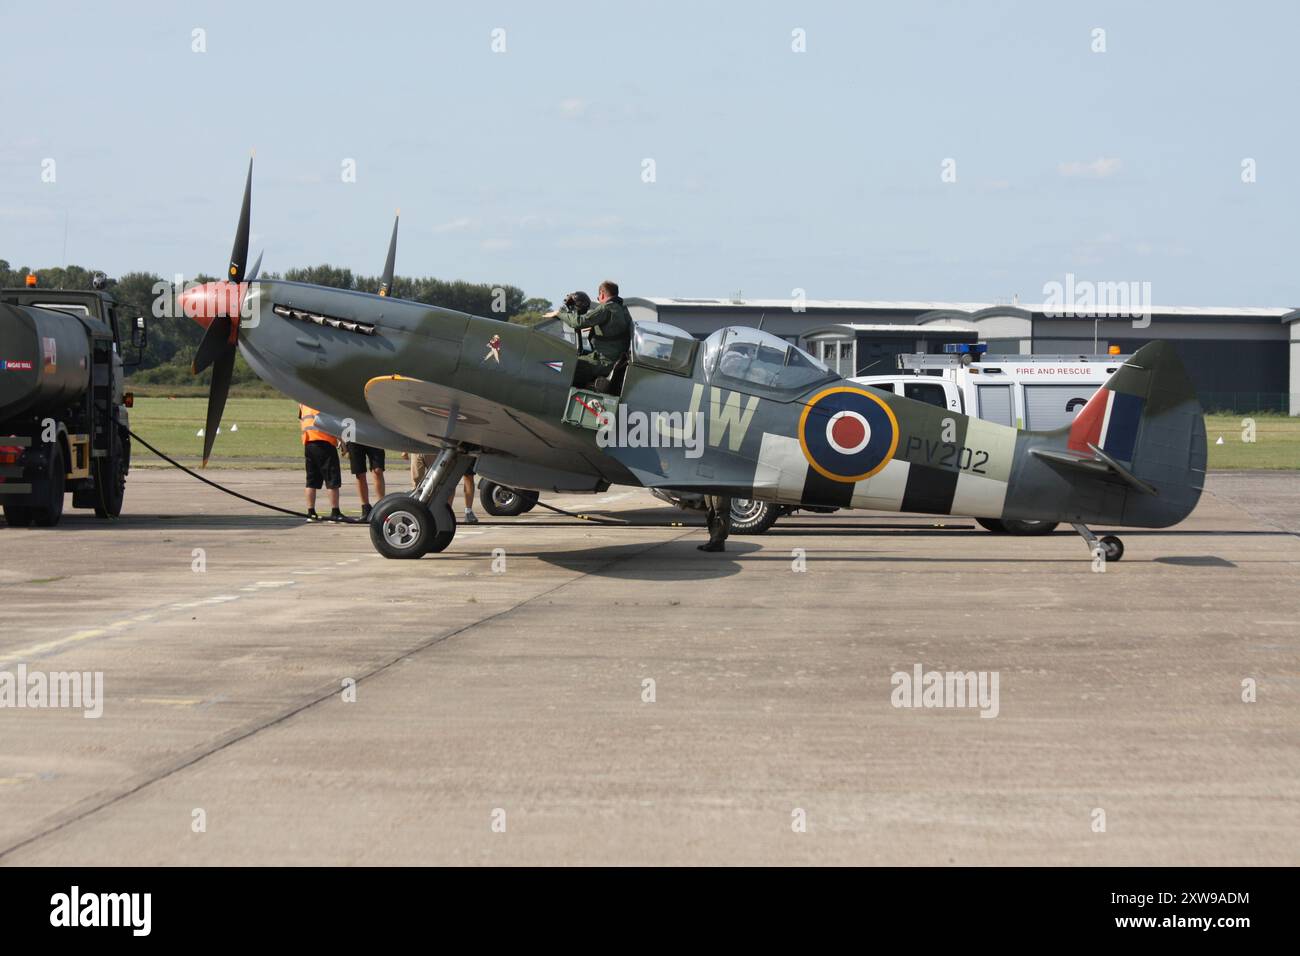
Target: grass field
pixel 255 432
pixel 267 435
pixel 1276 444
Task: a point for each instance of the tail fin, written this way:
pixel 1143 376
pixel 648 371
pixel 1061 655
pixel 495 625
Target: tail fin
pixel 1143 431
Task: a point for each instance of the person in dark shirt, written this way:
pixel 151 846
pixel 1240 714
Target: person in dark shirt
pixel 609 330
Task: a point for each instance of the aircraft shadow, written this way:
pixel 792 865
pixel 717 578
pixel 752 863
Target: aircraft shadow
pixel 675 561
pixel 1197 561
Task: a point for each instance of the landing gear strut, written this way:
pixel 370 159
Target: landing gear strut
pixel 1112 548
pixel 412 525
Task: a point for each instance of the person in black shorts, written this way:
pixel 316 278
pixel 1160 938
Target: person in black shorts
pixel 364 458
pixel 321 457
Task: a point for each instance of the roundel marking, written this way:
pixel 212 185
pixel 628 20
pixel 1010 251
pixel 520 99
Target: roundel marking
pixel 847 434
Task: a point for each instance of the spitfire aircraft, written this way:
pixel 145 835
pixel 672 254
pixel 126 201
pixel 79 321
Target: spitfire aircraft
pixel 742 413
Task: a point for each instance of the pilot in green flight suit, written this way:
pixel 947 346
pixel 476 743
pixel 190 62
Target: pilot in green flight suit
pixel 610 333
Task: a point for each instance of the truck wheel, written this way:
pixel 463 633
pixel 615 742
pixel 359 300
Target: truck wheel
pixel 48 514
pixel 110 480
pixel 753 517
pixel 502 502
pixel 992 524
pixel 18 516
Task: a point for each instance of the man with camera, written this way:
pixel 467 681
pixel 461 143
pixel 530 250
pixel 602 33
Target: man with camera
pixel 609 333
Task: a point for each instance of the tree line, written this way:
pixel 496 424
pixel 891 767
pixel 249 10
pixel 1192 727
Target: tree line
pixel 173 342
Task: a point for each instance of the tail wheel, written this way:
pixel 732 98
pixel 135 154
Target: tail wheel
pixel 401 527
pixel 110 478
pixel 1112 548
pixel 47 515
pixel 749 516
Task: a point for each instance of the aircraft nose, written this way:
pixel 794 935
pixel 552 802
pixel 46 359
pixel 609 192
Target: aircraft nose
pixel 205 302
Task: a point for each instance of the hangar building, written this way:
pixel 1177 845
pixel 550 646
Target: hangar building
pixel 1240 359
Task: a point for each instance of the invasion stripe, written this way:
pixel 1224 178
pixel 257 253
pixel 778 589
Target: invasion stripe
pixel 820 490
pixel 884 490
pixel 929 490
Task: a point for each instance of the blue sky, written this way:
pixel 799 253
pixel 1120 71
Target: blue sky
pixel 774 170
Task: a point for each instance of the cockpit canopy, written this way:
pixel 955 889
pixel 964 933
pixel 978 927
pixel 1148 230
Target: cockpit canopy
pixel 750 360
pixel 663 346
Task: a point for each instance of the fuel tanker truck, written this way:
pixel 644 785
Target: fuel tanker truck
pixel 63 409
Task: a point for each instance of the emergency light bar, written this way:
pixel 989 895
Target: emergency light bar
pixel 965 348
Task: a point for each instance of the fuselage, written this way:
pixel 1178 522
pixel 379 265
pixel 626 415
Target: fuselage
pixel 500 390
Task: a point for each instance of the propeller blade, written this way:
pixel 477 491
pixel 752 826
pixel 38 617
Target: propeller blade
pixel 257 267
pixel 386 283
pixel 222 370
pixel 239 254
pixel 215 341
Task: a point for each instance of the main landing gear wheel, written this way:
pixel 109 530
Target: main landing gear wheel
pixel 401 527
pixel 444 527
pixel 1016 526
pixel 502 502
pixel 753 517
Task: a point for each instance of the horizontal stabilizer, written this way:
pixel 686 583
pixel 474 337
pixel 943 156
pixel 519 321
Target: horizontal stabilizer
pixel 1098 464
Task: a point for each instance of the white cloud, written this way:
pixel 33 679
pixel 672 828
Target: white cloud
pixel 589 241
pixel 573 107
pixel 1099 168
pixel 455 225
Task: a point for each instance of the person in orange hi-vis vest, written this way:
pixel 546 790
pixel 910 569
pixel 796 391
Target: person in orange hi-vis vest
pixel 321 455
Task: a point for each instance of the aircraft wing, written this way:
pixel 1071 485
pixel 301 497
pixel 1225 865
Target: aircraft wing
pixel 432 413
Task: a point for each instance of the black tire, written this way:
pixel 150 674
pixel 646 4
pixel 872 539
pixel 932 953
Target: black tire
pixel 110 478
pixel 1112 548
pixel 1020 526
pixel 18 516
pixel 444 520
pixel 753 517
pixel 1024 526
pixel 47 515
pixel 502 502
pixel 401 527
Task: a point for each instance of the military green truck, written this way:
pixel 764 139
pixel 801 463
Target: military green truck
pixel 63 407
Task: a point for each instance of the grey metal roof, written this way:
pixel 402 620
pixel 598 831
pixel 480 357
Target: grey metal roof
pixel 871 305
